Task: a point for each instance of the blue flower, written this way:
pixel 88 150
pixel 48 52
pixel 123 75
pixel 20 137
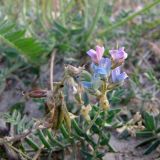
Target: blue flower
pixel 103 68
pixel 117 76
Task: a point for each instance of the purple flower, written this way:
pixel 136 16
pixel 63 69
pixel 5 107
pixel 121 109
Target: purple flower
pixel 96 55
pixel 117 76
pixel 103 68
pixel 118 56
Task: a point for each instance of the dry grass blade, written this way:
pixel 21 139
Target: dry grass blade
pixel 52 68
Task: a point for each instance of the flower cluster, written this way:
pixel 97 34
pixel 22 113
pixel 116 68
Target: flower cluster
pixel 106 73
pixel 107 68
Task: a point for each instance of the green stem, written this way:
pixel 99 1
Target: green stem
pixel 99 139
pixel 93 121
pixel 123 21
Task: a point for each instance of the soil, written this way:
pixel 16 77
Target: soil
pixel 125 150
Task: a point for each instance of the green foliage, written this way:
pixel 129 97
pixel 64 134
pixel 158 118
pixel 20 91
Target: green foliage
pixel 78 28
pixel 128 18
pixel 70 28
pixel 73 31
pixel 120 95
pixel 151 133
pixel 26 46
pixel 82 133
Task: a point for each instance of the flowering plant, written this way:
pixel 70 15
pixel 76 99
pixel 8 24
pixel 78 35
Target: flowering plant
pixel 63 128
pixel 106 73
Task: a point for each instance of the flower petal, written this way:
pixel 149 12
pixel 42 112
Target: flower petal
pixel 96 56
pixel 93 67
pixel 91 52
pixel 101 70
pixel 113 54
pixel 98 69
pixel 106 64
pixel 115 74
pixel 122 53
pixel 122 77
pixel 99 51
pixel 118 77
pixel 118 56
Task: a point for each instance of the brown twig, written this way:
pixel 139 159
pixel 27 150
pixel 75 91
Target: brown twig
pixel 15 138
pixel 20 136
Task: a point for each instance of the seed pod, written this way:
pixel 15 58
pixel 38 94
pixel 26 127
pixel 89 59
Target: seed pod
pixel 67 118
pixel 60 117
pixel 53 118
pixel 50 101
pixel 55 104
pixel 38 93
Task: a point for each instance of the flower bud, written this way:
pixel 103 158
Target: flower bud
pixel 85 112
pixel 104 102
pixel 118 57
pixel 96 55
